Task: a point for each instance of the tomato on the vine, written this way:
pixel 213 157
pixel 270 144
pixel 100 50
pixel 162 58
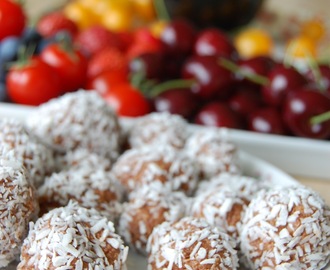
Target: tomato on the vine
pixel 32 83
pixel 12 19
pixel 69 63
pixel 127 100
pixel 106 81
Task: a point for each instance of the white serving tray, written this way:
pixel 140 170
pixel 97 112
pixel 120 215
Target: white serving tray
pixel 297 156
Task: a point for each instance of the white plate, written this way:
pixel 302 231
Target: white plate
pixel 297 156
pixel 251 166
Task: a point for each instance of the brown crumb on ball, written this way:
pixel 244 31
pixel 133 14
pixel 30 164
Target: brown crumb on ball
pixel 146 209
pixel 17 143
pixel 73 237
pixel 190 243
pixel 81 158
pixel 221 207
pixel 286 228
pixel 159 129
pixel 18 206
pixel 246 186
pixel 92 187
pixel 162 167
pixel 213 152
pixel 80 119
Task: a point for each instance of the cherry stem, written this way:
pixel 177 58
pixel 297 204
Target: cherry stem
pixel 161 10
pixel 253 77
pixel 318 119
pixel 172 84
pixel 316 73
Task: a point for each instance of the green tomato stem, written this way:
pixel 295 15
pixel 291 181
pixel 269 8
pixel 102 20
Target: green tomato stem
pixel 318 119
pixel 24 55
pixel 230 65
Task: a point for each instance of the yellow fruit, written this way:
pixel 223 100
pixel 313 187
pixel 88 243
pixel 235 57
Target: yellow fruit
pixel 144 9
pixel 117 18
pixel 253 42
pixel 313 29
pixel 80 14
pixel 302 47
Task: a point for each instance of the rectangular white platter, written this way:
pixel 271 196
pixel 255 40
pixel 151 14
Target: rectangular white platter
pixel 251 145
pixel 298 156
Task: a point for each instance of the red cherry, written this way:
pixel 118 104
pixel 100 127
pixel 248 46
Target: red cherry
pixel 266 120
pixel 176 101
pixel 149 64
pixel 178 37
pixel 260 65
pixel 245 100
pixel 282 80
pixel 211 78
pixel 218 114
pixel 300 107
pixel 213 41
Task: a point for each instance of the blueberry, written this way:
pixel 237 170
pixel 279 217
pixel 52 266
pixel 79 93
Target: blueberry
pixel 3 93
pixel 3 72
pixel 9 48
pixel 30 37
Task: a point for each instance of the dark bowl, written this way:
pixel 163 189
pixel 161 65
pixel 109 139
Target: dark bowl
pixel 224 14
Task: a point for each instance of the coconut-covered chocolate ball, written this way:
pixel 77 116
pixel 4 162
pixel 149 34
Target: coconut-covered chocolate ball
pixel 146 209
pixel 286 228
pixel 162 167
pixel 80 119
pixel 18 206
pixel 92 187
pixel 213 152
pixel 73 237
pixel 17 143
pixel 159 129
pixel 246 186
pixel 221 207
pixel 81 158
pixel 190 243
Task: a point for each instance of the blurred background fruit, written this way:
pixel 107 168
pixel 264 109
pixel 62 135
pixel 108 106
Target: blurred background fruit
pixel 224 14
pixel 142 58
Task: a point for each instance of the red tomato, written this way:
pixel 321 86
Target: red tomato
pixel 33 83
pixel 71 65
pixel 109 59
pixel 107 80
pixel 127 101
pixel 12 19
pixel 144 42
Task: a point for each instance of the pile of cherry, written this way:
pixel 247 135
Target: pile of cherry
pixel 196 73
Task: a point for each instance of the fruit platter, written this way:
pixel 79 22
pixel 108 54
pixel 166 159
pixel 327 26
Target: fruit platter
pixel 135 137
